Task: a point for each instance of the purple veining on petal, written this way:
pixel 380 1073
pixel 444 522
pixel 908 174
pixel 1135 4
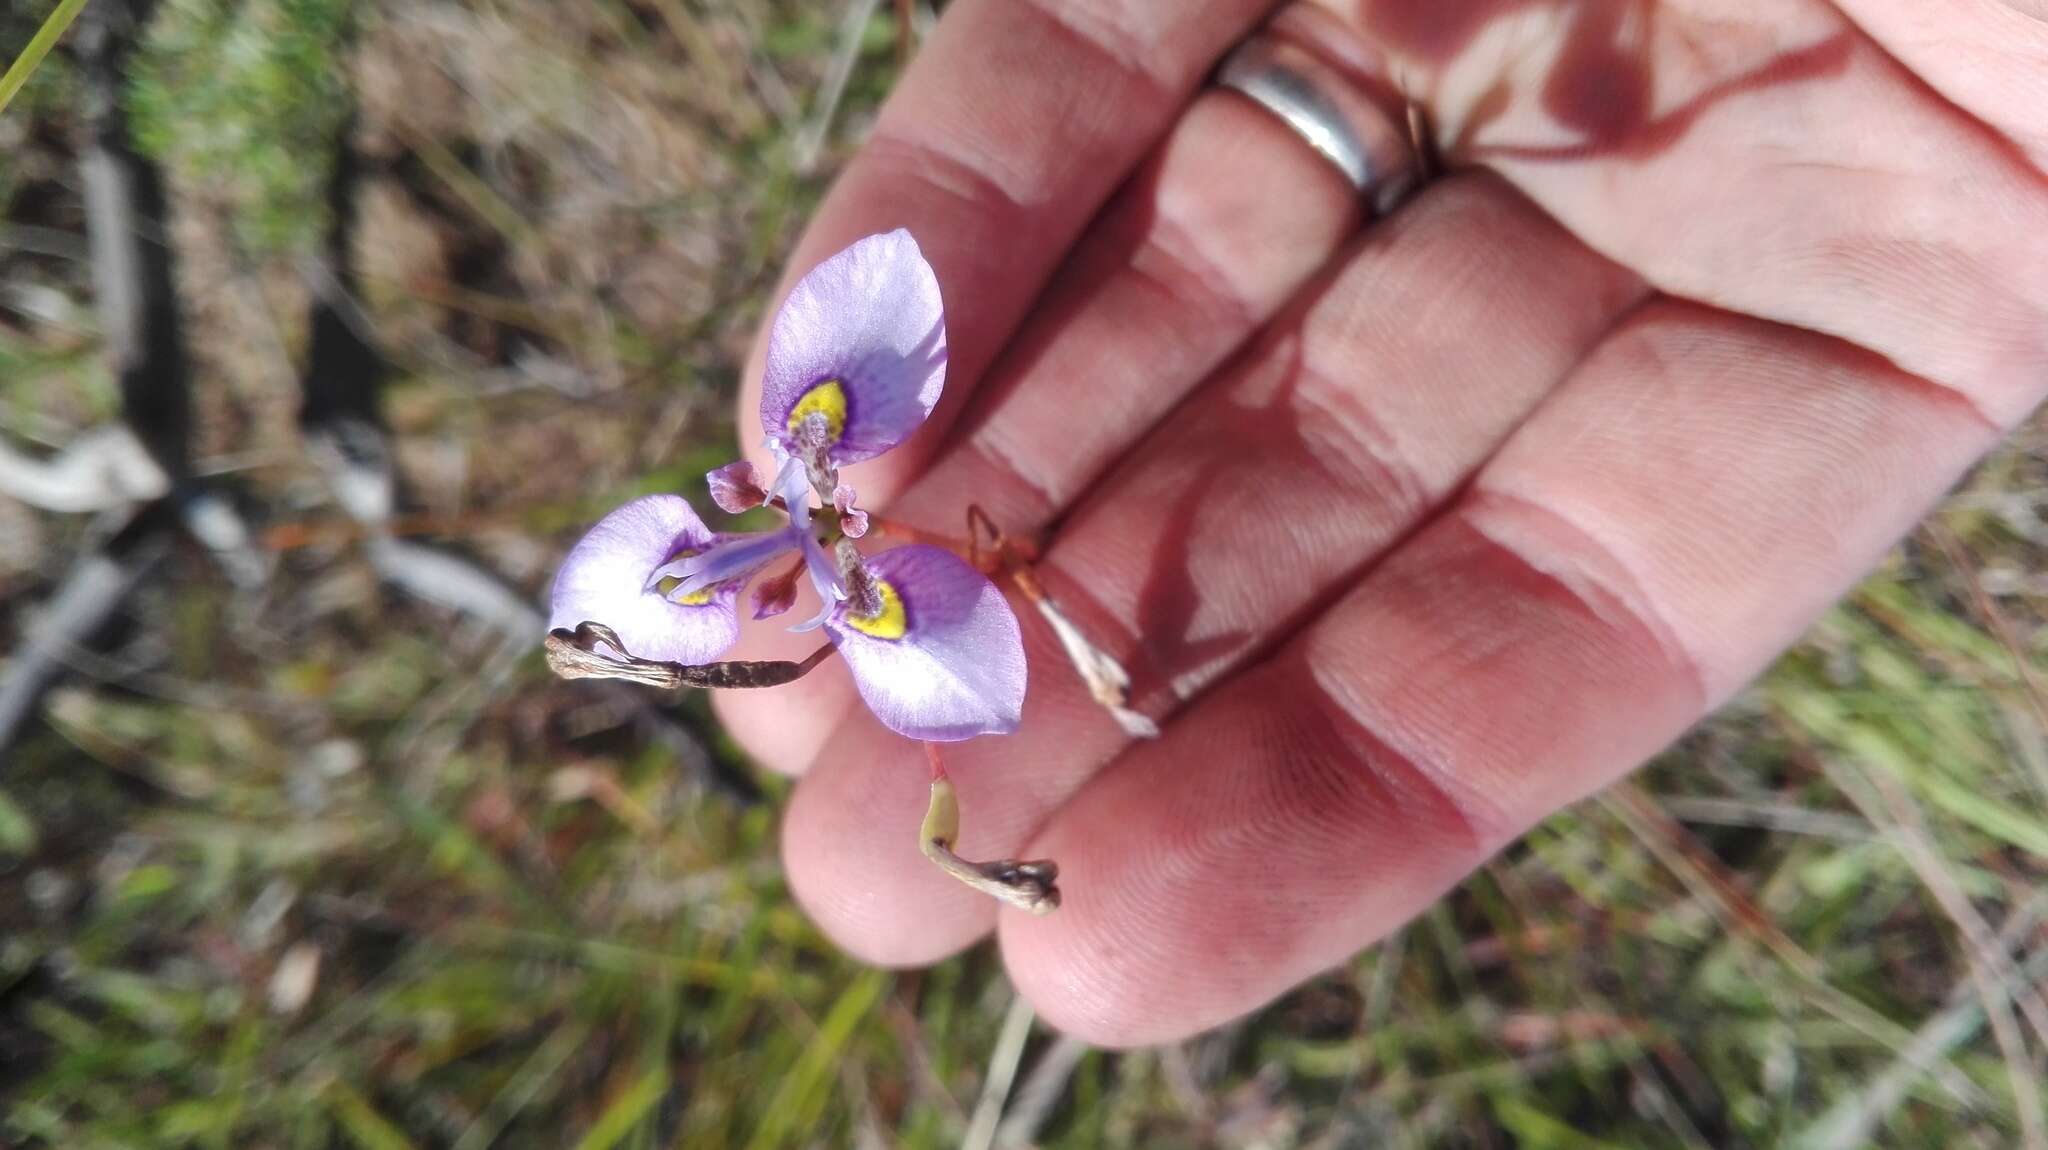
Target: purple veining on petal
pixel 607 578
pixel 951 665
pixel 862 341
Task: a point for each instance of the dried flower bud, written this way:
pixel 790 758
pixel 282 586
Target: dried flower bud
pixel 1030 885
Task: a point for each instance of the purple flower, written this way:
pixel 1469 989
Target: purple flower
pixel 739 556
pixel 936 652
pixel 856 361
pixel 610 577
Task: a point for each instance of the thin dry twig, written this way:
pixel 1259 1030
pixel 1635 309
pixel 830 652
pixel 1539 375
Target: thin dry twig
pixel 1684 855
pixel 1853 1121
pixel 1766 815
pixel 86 600
pixel 576 655
pixel 1012 559
pixel 916 1045
pixel 1000 555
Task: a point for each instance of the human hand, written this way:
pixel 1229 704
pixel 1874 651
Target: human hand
pixel 1414 534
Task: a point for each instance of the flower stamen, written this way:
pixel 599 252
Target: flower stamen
pixel 827 400
pixel 666 586
pixel 889 620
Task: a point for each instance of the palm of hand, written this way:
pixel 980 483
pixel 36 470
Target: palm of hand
pixel 1414 534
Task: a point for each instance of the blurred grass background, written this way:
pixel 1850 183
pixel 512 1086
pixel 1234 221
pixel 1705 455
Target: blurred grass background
pixel 326 865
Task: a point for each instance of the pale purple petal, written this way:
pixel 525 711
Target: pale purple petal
pixel 957 669
pixel 869 319
pixel 605 579
pixel 736 487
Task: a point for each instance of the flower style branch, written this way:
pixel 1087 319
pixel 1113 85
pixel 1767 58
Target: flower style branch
pixel 856 362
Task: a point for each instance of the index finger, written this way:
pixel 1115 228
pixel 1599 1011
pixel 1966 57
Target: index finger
pixel 1001 142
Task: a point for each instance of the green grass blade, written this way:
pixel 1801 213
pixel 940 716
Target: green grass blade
pixel 17 829
pixel 1540 1131
pixel 39 46
pixel 626 1111
pixel 796 1103
pixel 364 1126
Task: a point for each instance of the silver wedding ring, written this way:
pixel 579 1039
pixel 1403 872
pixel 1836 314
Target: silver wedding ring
pixel 1354 131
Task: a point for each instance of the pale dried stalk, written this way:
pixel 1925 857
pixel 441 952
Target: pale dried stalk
pixel 1002 1074
pixel 1108 683
pixel 575 655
